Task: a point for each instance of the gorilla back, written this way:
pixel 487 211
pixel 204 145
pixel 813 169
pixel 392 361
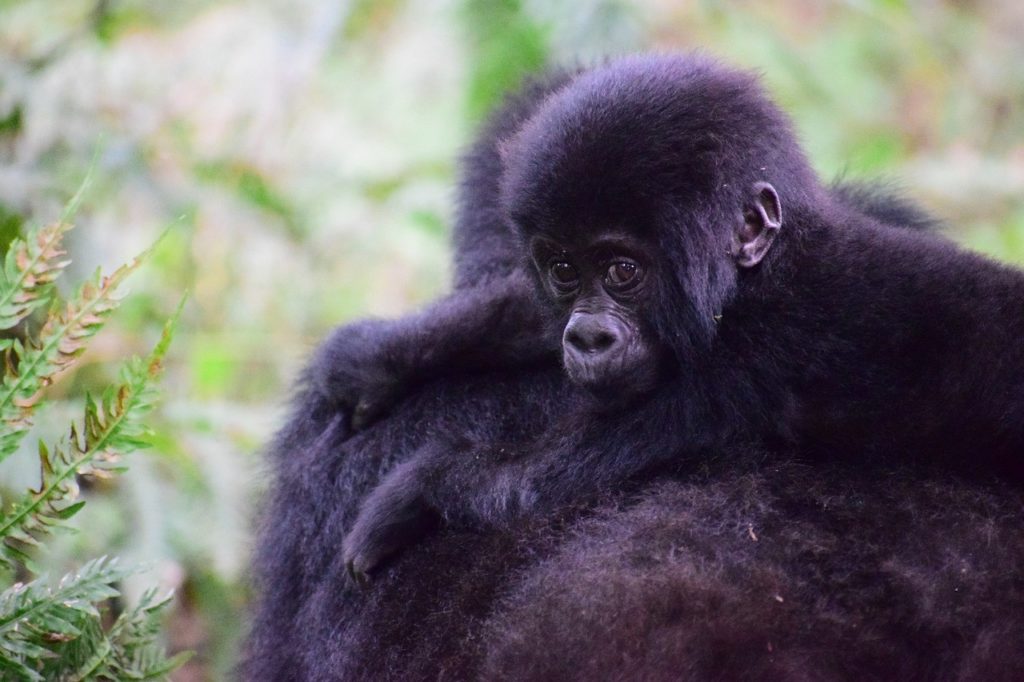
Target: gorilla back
pixel 742 567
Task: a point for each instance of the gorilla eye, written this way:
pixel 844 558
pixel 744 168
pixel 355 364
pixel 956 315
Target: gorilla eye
pixel 564 273
pixel 621 273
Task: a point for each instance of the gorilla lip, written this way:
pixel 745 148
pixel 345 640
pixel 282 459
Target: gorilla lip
pixel 627 372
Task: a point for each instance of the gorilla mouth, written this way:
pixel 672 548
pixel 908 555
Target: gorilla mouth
pixel 620 374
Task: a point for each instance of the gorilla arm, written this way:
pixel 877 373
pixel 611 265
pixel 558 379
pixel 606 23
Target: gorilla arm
pixel 494 485
pixel 367 366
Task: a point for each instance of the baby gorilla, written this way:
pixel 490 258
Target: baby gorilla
pixel 707 291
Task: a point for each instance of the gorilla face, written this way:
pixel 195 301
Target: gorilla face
pixel 607 286
pixel 601 287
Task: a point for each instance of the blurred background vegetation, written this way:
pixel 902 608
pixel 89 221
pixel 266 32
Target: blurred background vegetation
pixel 302 153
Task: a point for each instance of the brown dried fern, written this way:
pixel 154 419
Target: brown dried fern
pixel 30 268
pixel 34 364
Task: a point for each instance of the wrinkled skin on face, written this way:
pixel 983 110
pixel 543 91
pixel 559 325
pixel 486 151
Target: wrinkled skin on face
pixel 599 288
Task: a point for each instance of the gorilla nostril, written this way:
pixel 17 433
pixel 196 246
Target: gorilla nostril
pixel 573 338
pixel 588 335
pixel 603 340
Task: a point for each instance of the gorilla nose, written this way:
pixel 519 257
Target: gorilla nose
pixel 592 334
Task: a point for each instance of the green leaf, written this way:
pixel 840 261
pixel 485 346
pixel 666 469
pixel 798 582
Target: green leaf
pixel 60 343
pixel 64 631
pixel 36 619
pixel 110 428
pixel 70 510
pixel 31 266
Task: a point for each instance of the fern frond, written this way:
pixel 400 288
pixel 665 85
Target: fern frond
pixel 79 658
pixel 110 428
pixel 35 619
pixel 138 654
pixel 56 633
pixel 61 341
pixel 31 266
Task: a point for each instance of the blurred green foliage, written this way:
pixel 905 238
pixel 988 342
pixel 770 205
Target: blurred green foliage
pixel 303 152
pixel 504 44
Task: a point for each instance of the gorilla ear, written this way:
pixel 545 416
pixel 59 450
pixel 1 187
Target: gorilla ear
pixel 762 219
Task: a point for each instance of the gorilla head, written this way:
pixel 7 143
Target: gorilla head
pixel 641 192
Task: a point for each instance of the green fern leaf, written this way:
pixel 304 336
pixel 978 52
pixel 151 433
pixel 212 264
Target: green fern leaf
pixel 49 633
pixel 111 427
pixel 36 619
pixel 31 266
pixel 61 341
pixel 137 652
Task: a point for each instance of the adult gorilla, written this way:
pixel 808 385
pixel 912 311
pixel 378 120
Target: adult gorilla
pixel 732 565
pixel 744 569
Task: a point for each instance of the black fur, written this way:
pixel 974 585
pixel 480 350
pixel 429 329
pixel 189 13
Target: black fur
pixel 851 341
pixel 736 564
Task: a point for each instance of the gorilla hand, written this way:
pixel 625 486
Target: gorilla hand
pixel 368 366
pixel 354 369
pixel 394 516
